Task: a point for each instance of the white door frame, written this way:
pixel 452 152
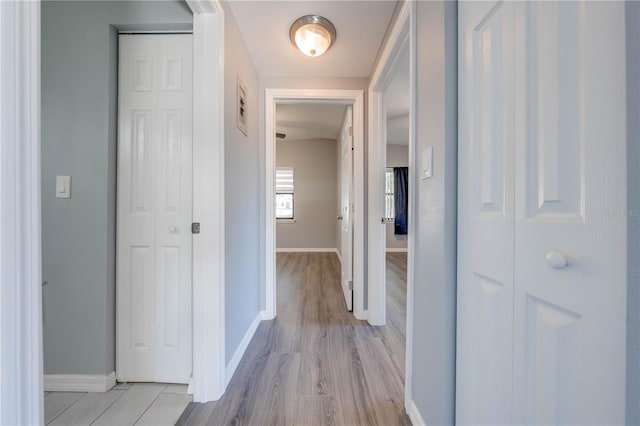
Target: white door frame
pixel 402 33
pixel 347 97
pixel 209 359
pixel 21 377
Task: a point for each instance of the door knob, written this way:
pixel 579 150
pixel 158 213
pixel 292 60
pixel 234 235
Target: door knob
pixel 339 217
pixel 556 259
pixel 173 229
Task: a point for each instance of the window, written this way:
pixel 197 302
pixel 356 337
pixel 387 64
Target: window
pixel 284 193
pixel 389 213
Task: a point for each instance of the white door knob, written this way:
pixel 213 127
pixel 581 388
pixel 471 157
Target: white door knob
pixel 173 229
pixel 556 259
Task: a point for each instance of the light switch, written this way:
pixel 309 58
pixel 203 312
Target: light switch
pixel 63 186
pixel 427 163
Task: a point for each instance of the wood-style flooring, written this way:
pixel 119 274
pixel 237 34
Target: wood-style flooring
pixel 155 404
pixel 315 364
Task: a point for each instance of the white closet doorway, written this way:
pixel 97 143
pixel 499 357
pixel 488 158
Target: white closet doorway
pixel 154 209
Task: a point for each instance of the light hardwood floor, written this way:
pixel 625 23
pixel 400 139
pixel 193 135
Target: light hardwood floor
pixel 315 364
pixel 126 404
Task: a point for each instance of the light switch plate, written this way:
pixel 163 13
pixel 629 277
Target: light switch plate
pixel 63 186
pixel 427 163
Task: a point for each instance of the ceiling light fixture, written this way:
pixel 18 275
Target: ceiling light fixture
pixel 312 34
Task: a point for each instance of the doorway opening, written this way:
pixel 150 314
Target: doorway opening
pixel 392 108
pixel 314 186
pixel 352 99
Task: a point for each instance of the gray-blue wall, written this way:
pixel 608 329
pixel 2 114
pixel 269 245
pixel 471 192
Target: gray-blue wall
pixel 633 220
pixel 434 310
pixel 79 106
pixel 242 191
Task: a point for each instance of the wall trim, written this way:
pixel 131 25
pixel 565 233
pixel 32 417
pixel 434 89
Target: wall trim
pixel 402 33
pixel 242 347
pixel 209 357
pixel 414 413
pixel 345 97
pixel 79 382
pixel 396 250
pixel 21 358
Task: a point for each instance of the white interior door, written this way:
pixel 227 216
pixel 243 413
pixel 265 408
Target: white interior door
pixel 486 213
pixel 154 212
pixel 346 211
pixel 542 285
pixel 570 322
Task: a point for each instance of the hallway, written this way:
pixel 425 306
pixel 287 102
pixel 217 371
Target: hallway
pixel 315 364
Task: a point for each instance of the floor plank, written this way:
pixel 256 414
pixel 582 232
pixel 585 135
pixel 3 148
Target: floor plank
pixel 175 388
pixel 165 410
pixel 277 390
pixel 57 402
pixel 87 409
pixel 316 410
pixel 315 363
pixel 130 406
pixel 122 386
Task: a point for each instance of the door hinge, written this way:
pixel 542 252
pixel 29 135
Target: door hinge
pixel 195 228
pixel 350 284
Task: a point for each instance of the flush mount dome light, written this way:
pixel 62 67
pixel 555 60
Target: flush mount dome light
pixel 312 34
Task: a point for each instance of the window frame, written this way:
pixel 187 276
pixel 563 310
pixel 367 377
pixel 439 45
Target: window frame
pixel 291 192
pixel 389 196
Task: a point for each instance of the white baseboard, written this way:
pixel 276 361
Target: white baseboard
pixel 414 413
pixel 339 257
pixel 397 250
pixel 307 250
pixel 79 382
pixel 242 347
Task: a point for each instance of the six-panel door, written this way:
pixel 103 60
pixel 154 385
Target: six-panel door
pixel 154 209
pixel 542 233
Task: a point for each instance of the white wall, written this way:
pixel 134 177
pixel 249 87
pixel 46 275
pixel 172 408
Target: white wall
pixel 315 193
pixel 397 156
pixel 242 190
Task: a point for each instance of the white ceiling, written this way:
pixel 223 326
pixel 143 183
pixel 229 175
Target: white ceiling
pixel 308 120
pixel 360 27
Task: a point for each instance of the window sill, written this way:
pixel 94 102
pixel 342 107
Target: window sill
pixel 285 221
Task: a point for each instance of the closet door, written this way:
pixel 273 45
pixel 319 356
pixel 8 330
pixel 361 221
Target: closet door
pixel 542 213
pixel 570 319
pixel 154 211
pixel 486 213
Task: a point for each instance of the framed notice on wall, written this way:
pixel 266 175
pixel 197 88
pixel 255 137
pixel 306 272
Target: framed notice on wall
pixel 241 107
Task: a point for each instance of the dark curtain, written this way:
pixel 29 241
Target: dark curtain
pixel 401 194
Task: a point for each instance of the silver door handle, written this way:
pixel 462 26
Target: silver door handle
pixel 556 259
pixel 173 229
